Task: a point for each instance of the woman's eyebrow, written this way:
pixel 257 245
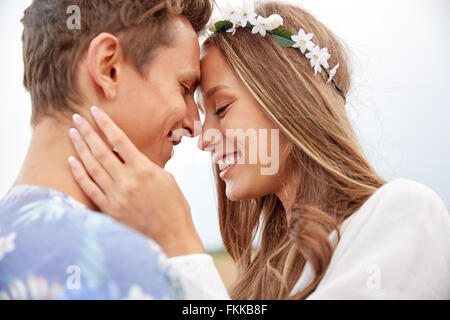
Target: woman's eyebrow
pixel 213 90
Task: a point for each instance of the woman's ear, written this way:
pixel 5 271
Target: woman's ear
pixel 104 58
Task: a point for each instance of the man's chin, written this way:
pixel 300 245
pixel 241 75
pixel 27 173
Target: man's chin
pixel 162 163
pixel 158 161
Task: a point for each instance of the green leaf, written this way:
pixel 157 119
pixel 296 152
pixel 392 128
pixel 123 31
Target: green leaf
pixel 223 26
pixel 283 33
pixel 283 37
pixel 285 43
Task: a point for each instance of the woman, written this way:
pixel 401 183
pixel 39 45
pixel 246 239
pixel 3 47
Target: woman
pixel 331 226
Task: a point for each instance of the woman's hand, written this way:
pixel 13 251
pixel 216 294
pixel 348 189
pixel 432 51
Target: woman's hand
pixel 135 191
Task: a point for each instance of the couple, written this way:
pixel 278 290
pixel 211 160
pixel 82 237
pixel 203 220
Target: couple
pixel 114 225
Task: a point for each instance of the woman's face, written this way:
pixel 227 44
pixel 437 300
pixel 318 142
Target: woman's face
pixel 241 138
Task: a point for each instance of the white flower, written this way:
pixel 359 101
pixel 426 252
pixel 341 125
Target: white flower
pixel 246 14
pixel 233 29
pixel 274 22
pixel 7 244
pixel 303 41
pixel 136 293
pixel 261 26
pixel 212 24
pixel 232 14
pixel 35 288
pixel 319 57
pixel 324 56
pixel 333 73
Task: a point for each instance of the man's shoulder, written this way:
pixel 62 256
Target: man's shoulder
pixel 47 214
pixel 28 205
pixel 49 235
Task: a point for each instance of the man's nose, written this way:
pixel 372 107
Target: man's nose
pixel 191 122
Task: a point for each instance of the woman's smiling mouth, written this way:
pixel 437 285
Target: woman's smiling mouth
pixel 227 162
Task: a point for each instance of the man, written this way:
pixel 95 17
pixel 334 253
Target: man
pixel 139 60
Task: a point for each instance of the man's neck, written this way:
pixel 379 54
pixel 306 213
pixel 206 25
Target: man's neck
pixel 46 162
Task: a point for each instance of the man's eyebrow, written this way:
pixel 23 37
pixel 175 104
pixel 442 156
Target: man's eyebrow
pixel 196 81
pixel 213 90
pixel 194 76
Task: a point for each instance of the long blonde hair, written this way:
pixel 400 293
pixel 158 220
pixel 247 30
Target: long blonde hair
pixel 333 179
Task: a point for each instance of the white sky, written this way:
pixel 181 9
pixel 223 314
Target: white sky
pixel 399 106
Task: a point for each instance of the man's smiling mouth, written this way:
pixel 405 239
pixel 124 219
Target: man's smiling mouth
pixel 173 138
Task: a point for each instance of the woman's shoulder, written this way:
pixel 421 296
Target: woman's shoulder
pixel 402 199
pixel 406 189
pixel 396 246
pixel 402 212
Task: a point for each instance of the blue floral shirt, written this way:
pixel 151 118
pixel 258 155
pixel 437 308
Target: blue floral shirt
pixel 53 247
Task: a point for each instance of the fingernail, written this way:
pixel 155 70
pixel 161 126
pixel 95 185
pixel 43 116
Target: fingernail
pixel 73 163
pixel 73 133
pixel 95 111
pixel 77 119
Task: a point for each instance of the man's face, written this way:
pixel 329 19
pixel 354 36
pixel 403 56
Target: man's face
pixel 150 109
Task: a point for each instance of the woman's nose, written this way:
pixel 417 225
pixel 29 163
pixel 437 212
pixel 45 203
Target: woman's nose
pixel 209 137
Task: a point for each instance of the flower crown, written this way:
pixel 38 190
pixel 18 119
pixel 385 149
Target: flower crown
pixel 246 18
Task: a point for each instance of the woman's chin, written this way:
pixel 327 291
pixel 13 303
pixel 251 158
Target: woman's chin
pixel 235 193
pixel 231 192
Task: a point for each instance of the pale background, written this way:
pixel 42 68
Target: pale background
pixel 399 105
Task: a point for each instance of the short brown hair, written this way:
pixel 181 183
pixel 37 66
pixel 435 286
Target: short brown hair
pixel 51 50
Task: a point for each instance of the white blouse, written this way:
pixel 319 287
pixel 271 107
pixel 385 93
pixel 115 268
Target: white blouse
pixel 396 246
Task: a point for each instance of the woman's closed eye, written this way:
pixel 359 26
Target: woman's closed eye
pixel 220 112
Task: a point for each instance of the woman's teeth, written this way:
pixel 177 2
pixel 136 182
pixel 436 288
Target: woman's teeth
pixel 226 163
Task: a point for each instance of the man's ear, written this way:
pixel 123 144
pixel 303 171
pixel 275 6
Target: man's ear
pixel 104 58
